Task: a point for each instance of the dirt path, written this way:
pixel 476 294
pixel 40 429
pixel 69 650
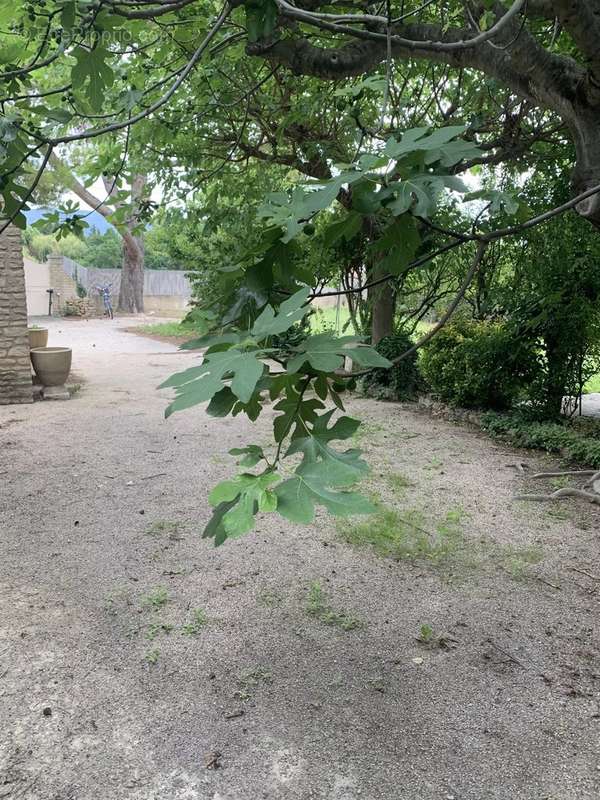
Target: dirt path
pixel 131 652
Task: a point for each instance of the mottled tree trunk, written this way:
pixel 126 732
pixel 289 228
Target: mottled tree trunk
pixel 585 127
pixel 383 305
pixel 131 293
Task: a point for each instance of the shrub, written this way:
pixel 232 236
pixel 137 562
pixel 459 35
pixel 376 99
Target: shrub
pixel 479 364
pixel 291 338
pixel 577 441
pixel 403 379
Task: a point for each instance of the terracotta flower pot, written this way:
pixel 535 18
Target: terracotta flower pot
pixel 51 364
pixel 38 337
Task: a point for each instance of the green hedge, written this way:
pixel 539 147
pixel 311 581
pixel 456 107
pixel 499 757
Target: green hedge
pixel 575 440
pixel 402 381
pixel 476 364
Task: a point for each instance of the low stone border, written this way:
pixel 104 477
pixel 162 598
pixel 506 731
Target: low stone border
pixel 450 413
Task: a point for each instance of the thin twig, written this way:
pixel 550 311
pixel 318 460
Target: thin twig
pixel 30 191
pixel 451 308
pixel 504 652
pixel 587 574
pixel 543 580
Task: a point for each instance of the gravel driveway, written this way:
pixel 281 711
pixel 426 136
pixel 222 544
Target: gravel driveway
pixel 137 662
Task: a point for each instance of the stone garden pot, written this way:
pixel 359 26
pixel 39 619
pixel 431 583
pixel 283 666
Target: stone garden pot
pixel 38 337
pixel 51 364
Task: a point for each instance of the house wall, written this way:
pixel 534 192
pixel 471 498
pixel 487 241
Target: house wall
pixel 167 293
pixel 37 280
pixel 15 366
pixel 166 305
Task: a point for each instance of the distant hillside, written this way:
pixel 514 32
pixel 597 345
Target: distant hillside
pixel 93 219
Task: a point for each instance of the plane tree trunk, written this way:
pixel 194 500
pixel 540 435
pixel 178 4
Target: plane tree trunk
pixel 383 309
pixel 131 293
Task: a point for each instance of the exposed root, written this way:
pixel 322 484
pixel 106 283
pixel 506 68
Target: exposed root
pixel 520 466
pixel 589 492
pixel 576 472
pixel 591 497
pixel 595 477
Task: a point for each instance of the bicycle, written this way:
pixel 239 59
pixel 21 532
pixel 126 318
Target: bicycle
pixel 104 292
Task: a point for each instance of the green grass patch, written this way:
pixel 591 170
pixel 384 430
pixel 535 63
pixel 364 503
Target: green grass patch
pixel 151 656
pixel 183 330
pixel 516 560
pixel 165 527
pixel 409 536
pixel 367 433
pixel 155 629
pixel 318 606
pixel 593 385
pixel 250 680
pixel 326 319
pixel 198 621
pixel 156 599
pixel 430 638
pixel 406 535
pixel 397 481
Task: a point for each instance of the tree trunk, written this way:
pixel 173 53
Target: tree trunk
pixel 383 304
pixel 556 379
pixel 585 128
pixel 131 293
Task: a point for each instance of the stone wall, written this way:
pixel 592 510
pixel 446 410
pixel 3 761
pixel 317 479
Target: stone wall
pixel 65 288
pixel 15 366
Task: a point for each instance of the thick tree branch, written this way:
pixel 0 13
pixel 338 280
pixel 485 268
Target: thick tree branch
pixel 70 181
pixel 530 71
pixel 581 18
pixel 437 43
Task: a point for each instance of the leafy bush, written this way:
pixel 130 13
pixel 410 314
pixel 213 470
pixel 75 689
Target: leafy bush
pixel 555 298
pixel 577 441
pixel 401 381
pixel 479 364
pixel 291 338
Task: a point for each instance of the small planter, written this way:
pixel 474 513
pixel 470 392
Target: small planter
pixel 38 337
pixel 51 364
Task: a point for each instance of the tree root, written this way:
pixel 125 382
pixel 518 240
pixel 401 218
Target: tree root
pixel 580 472
pixel 591 497
pixel 595 477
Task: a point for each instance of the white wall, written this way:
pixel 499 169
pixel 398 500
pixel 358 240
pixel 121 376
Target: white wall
pixel 37 280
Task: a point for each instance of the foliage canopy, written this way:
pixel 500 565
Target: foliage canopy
pixel 182 92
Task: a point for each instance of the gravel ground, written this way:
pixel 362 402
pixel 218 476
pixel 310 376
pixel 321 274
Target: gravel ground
pixel 590 404
pixel 137 662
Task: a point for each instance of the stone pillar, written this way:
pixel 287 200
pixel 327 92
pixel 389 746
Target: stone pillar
pixel 15 366
pixel 64 286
